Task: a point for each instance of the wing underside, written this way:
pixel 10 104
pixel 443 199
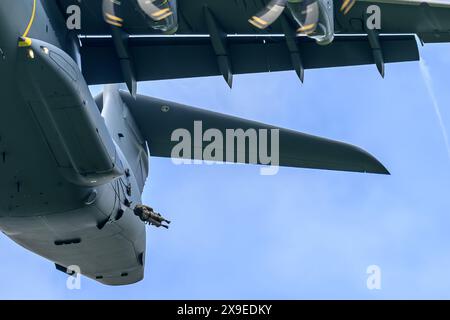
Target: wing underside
pixel 200 49
pixel 158 120
pixel 157 58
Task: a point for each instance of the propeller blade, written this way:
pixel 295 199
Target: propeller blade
pixel 111 13
pixel 155 12
pixel 307 14
pixel 347 5
pixel 269 14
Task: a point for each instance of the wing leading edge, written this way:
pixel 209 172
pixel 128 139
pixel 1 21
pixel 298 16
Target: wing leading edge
pixel 158 119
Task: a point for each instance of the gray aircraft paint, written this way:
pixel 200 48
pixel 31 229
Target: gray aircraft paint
pixel 40 208
pixel 67 158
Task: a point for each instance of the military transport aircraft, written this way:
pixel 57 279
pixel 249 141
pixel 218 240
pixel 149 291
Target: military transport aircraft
pixel 78 201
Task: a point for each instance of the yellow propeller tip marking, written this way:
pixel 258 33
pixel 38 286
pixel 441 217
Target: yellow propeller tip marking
pixel 344 5
pixel 260 21
pixel 168 14
pixel 114 23
pixel 349 7
pixel 160 13
pixel 113 18
pixel 307 28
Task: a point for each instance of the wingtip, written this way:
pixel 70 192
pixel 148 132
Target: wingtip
pixel 382 170
pixel 385 171
pixel 370 163
pixel 376 167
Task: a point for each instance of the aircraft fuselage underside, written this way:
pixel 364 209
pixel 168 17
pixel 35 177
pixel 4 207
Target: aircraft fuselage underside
pixel 52 198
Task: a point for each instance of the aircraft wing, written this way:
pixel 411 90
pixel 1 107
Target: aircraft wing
pixel 196 51
pixel 429 19
pixel 157 120
pixel 158 58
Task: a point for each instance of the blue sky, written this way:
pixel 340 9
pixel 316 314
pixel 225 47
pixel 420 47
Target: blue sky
pixel 301 234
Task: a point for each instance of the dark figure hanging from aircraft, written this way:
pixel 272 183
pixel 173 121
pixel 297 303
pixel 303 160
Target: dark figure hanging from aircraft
pixel 73 167
pixel 147 214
